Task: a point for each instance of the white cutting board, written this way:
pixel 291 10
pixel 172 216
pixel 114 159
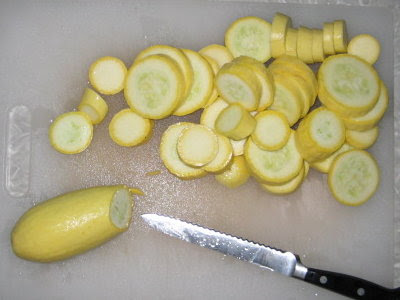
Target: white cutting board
pixel 45 51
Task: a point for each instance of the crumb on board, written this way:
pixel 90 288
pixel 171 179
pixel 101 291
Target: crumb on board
pixel 153 173
pixel 136 191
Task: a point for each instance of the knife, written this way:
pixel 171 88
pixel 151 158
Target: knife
pixel 273 259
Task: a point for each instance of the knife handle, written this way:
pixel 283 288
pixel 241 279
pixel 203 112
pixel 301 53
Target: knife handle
pixel 350 286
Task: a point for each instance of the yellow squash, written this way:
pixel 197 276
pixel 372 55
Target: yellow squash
pixel 72 223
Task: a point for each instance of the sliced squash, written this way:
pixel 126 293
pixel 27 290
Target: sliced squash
pixel 178 57
pixel 362 139
pixel 327 34
pixel 219 53
pixel 235 122
pixel 202 86
pixel 238 84
pixel 93 105
pixel 223 158
pixel 280 25
pixel 274 166
pixel 215 68
pixel 71 132
pixel 236 174
pixel 128 129
pixel 287 187
pixel 319 134
pixel 340 36
pixel 353 177
pixel 287 99
pixel 291 42
pixel 197 145
pixel 325 164
pixel 318 53
pixel 169 153
pixel 264 77
pixel 107 75
pixel 305 44
pixel 348 85
pixel 370 119
pixel 296 66
pixel 249 36
pixel 365 46
pixel 272 130
pixel 154 86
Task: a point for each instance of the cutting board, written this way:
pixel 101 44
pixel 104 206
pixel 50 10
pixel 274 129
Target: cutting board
pixel 46 48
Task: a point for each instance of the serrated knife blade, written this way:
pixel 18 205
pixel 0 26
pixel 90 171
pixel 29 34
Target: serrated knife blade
pixel 284 262
pixel 273 259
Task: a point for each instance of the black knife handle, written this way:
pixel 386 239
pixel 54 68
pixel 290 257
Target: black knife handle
pixel 350 286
